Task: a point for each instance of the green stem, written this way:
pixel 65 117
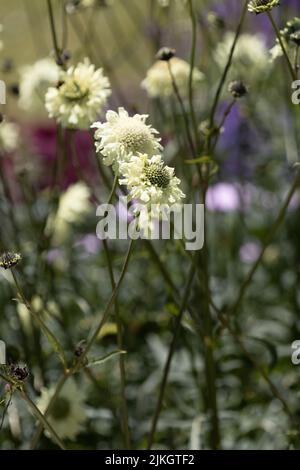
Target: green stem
pixel 42 419
pixel 275 27
pixel 170 357
pixel 48 333
pixel 108 307
pixel 225 72
pixel 38 433
pixel 53 31
pixel 125 416
pixel 192 65
pixel 274 227
pixel 184 113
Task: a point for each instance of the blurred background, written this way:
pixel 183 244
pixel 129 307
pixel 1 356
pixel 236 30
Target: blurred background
pixel 65 277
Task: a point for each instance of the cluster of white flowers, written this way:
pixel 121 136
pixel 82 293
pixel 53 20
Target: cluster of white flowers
pixel 158 81
pixel 133 149
pixel 250 58
pixel 290 36
pixel 68 413
pixel 80 96
pixel 9 137
pixel 122 136
pixel 34 82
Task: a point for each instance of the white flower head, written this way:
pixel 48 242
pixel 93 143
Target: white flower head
pixel 250 58
pixel 9 137
pixel 151 182
pixel 158 81
pixel 68 413
pixel 122 136
pixel 74 204
pixel 82 93
pixel 34 82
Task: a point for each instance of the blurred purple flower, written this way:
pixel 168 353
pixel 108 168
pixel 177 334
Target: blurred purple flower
pixel 90 243
pixel 250 251
pixel 223 197
pixel 53 255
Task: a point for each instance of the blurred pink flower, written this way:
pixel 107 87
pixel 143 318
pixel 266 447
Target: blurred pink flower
pixel 250 251
pixel 223 197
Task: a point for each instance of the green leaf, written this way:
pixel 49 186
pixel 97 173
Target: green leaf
pixel 202 160
pixel 102 360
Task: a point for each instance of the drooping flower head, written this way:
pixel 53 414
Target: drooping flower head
pixel 80 96
pixel 122 136
pixel 9 137
pixel 68 414
pixel 150 181
pixel 34 82
pixel 158 81
pixel 261 6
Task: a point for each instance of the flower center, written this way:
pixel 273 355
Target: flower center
pixel 61 409
pixel 73 90
pixel 157 175
pixel 134 135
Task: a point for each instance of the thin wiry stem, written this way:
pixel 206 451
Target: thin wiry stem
pixel 273 229
pixel 192 67
pixel 170 356
pixel 42 418
pixel 226 70
pixel 125 417
pixel 90 343
pixel 37 317
pixel 183 110
pixel 277 32
pixel 53 31
pixel 38 433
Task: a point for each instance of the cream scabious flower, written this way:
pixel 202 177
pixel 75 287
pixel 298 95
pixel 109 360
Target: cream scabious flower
pixel 250 58
pixel 290 36
pixel 9 137
pixel 80 96
pixel 74 204
pixel 158 81
pixel 68 413
pixel 260 6
pixel 123 135
pixel 34 82
pixel 151 182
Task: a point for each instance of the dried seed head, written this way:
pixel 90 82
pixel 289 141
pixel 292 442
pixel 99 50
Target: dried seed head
pixel 18 373
pixel 9 260
pixel 165 54
pixel 80 348
pixel 238 89
pixel 261 6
